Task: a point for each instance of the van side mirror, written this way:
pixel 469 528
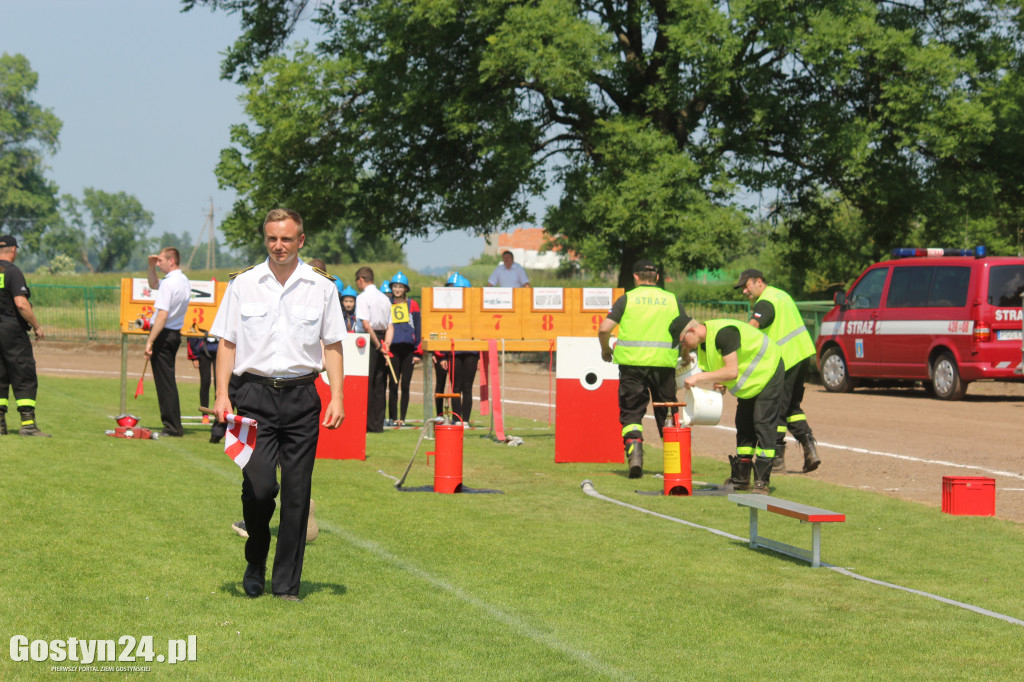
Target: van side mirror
pixel 841 299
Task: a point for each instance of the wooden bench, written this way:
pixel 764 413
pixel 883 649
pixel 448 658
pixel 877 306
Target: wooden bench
pixel 802 512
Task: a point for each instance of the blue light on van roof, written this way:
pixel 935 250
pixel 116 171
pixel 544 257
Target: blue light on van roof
pixel 977 252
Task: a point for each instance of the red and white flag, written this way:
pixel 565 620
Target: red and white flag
pixel 240 438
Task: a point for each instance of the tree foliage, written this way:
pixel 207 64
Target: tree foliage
pixel 656 117
pixel 28 132
pixel 104 231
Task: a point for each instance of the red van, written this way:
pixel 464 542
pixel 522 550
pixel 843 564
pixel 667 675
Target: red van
pixel 927 316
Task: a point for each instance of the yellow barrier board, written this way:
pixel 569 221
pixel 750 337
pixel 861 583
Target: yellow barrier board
pixel 137 299
pixel 526 319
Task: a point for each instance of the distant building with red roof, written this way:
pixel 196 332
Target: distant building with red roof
pixel 526 244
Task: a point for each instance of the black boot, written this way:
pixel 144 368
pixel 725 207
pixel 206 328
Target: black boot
pixel 740 478
pixel 3 422
pixel 762 474
pixel 811 461
pixel 779 462
pixel 635 456
pixel 28 424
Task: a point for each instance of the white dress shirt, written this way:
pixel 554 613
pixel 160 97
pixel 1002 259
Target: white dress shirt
pixel 277 329
pixel 174 295
pixel 508 277
pixel 374 306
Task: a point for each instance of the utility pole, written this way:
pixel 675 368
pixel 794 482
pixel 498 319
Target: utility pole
pixel 211 231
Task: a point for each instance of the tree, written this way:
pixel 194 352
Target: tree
pixel 28 203
pixel 112 229
pixel 655 116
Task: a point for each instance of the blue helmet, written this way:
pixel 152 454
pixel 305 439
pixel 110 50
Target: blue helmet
pixel 338 283
pixel 400 278
pixel 385 286
pixel 348 291
pixel 463 282
pixel 453 280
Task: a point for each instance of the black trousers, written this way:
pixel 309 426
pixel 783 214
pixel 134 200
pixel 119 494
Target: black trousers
pixel 207 377
pixel 404 353
pixel 165 349
pixel 791 415
pixel 376 390
pixel 17 366
pixel 640 385
pixel 287 433
pixel 757 417
pixel 464 368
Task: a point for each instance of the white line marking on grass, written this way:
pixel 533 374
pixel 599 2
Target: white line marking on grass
pixel 589 489
pixel 512 620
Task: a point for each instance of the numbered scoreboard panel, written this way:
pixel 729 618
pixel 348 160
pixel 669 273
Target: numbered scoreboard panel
pixel 540 313
pixel 137 299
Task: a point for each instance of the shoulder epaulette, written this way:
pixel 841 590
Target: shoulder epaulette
pixel 321 272
pixel 236 274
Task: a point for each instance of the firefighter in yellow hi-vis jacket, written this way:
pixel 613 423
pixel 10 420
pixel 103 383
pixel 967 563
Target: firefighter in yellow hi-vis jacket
pixel 645 355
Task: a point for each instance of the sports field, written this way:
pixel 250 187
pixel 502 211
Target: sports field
pixel 105 539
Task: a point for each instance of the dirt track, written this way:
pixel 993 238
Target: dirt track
pixel 896 442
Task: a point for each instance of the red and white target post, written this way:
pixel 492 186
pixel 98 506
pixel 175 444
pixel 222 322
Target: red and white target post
pixel 587 425
pixel 349 440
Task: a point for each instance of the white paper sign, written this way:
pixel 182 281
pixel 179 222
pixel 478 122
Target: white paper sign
pixel 497 298
pixel 597 299
pixel 547 298
pixel 448 298
pixel 203 291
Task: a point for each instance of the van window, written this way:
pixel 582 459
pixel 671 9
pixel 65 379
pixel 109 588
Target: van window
pixel 1005 285
pixel 949 287
pixel 868 292
pixel 909 287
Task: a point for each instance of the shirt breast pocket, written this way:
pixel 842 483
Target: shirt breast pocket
pixel 305 322
pixel 255 320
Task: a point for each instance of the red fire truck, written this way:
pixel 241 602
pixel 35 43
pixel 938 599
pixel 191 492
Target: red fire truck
pixel 943 317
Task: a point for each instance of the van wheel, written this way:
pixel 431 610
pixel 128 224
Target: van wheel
pixel 946 382
pixel 833 372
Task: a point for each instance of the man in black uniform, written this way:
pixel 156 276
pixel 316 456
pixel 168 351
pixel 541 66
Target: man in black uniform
pixel 17 363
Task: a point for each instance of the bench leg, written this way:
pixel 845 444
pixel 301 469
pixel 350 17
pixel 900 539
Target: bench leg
pixel 753 528
pixel 815 545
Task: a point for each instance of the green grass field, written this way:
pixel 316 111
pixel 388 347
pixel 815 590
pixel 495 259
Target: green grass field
pixel 103 538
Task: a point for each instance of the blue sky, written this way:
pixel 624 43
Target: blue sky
pixel 136 84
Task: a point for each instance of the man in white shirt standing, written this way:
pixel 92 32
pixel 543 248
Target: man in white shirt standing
pixel 173 294
pixel 373 310
pixel 271 322
pixel 509 273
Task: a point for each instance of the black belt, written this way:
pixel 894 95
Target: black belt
pixel 280 382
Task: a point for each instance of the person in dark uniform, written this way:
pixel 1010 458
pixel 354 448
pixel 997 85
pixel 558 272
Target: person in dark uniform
pixel 645 355
pixel 777 316
pixel 17 363
pixel 271 323
pixel 173 294
pixel 202 351
pixel 738 358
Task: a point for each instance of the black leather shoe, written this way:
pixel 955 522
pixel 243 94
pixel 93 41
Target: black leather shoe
pixel 288 597
pixel 254 579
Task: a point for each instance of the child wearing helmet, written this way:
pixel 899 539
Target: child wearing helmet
pixel 458 368
pixel 405 346
pixel 348 310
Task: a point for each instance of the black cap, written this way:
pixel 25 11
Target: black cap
pixel 644 265
pixel 748 274
pixel 677 326
pixel 8 240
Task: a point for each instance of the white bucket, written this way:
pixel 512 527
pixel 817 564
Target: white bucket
pixel 703 407
pixel 681 373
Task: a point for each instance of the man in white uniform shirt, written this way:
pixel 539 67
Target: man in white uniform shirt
pixel 271 323
pixel 173 294
pixel 509 273
pixel 373 309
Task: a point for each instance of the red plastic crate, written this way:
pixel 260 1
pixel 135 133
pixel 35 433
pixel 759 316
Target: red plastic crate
pixel 969 495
